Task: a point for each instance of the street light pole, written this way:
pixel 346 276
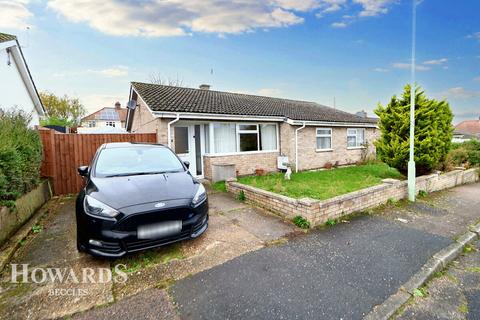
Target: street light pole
pixel 411 162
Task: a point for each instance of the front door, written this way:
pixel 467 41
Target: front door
pixel 188 147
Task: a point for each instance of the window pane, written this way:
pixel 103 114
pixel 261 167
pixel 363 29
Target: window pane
pixel 351 141
pixel 360 136
pixel 268 136
pixel 323 131
pixel 247 127
pixel 225 139
pixel 248 142
pixel 324 143
pixel 181 139
pixel 351 132
pixel 207 138
pixel 136 160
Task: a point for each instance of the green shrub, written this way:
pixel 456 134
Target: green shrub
pixel 241 196
pixel 457 157
pixel 301 222
pixel 466 153
pixel 433 132
pixel 331 222
pixel 20 156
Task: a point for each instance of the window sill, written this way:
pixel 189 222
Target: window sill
pixel 355 148
pixel 323 150
pixel 238 153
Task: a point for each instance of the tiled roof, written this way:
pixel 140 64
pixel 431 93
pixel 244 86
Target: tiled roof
pixel 469 126
pixel 179 99
pixel 4 37
pixel 108 114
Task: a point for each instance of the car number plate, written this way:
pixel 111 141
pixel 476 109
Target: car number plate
pixel 159 230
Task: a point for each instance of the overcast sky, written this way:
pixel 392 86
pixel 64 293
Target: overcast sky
pixel 354 50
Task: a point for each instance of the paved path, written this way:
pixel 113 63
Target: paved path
pixel 452 294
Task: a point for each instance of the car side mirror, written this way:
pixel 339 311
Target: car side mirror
pixel 83 171
pixel 187 164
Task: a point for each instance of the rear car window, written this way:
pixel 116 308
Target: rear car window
pixel 136 160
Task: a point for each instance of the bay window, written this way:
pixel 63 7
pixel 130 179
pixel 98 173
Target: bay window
pixel 355 137
pixel 324 139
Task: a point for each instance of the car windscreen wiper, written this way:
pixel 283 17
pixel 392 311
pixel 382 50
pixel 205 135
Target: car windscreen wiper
pixel 139 173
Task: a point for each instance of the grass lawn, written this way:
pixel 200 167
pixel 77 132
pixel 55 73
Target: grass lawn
pixel 323 184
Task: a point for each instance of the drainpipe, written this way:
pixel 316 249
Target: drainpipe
pixel 296 146
pixel 169 134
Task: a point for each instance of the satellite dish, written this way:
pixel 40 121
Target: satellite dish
pixel 132 104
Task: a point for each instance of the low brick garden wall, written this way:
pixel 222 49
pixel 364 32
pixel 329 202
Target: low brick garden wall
pixel 319 211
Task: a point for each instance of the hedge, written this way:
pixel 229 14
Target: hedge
pixel 464 154
pixel 20 156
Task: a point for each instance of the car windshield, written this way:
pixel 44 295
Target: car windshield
pixel 136 160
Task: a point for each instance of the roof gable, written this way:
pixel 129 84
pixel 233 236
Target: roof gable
pixel 179 99
pixel 4 37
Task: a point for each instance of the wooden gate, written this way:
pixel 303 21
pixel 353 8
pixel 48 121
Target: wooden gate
pixel 64 153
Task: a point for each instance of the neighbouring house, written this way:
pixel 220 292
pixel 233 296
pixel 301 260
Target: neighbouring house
pixel 22 93
pixel 467 130
pixel 105 120
pixel 211 128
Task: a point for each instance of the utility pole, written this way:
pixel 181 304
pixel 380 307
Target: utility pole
pixel 411 162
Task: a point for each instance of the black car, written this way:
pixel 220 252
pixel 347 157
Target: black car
pixel 137 196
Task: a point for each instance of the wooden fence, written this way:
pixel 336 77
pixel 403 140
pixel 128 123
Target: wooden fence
pixel 64 153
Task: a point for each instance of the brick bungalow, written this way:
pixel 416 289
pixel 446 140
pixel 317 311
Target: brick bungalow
pixel 207 128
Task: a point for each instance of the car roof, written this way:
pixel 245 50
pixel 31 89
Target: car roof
pixel 113 145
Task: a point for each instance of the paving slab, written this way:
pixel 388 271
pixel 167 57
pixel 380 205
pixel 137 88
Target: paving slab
pixel 222 202
pixel 263 225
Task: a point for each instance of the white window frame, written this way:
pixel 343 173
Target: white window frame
pixel 237 133
pixel 356 135
pixel 110 124
pixel 240 131
pixel 323 135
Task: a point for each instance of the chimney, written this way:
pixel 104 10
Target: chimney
pixel 362 114
pixel 117 105
pixel 204 86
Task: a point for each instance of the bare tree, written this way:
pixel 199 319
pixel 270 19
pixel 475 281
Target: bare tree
pixel 157 78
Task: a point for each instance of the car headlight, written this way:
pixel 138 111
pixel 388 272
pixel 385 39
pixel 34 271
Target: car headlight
pixel 200 195
pixel 94 207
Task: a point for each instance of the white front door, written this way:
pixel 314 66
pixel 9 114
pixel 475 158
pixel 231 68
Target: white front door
pixel 185 145
pixel 188 146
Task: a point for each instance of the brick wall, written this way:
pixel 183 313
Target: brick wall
pixel 245 164
pixel 319 211
pixel 145 122
pixel 310 158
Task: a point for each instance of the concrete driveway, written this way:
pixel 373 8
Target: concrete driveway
pixel 235 229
